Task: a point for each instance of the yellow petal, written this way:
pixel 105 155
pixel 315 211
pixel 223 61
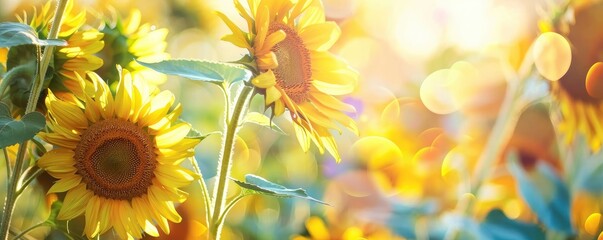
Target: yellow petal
pixel 279 108
pixel 264 80
pixel 270 41
pixel 321 36
pixel 267 61
pixel 165 208
pixel 173 176
pixel 172 136
pixel 272 94
pixel 159 107
pixel 313 15
pixel 65 184
pixel 92 222
pixel 58 160
pixel 123 96
pixel 238 35
pixel 317 228
pixel 75 202
pixel 65 113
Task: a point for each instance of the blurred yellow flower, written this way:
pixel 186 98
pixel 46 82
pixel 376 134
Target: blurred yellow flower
pixel 318 230
pixel 582 113
pixel 586 211
pixel 118 157
pixel 3 56
pixel 78 57
pixel 130 41
pixel 289 43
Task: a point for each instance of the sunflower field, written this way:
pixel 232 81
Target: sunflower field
pixel 301 119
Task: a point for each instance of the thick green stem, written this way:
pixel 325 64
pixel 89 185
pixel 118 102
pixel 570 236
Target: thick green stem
pixel 224 165
pixel 206 199
pixel 11 193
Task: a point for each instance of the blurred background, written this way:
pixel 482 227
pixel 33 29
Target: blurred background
pixel 407 171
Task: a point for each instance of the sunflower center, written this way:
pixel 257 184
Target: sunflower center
pixel 294 71
pixel 587 49
pixel 116 159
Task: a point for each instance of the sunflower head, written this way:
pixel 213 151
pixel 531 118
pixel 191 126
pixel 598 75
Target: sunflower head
pixel 289 43
pixel 118 157
pixel 74 59
pixel 130 41
pixel 581 112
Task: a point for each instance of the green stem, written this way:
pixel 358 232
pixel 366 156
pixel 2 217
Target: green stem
pixel 206 199
pixel 29 229
pixel 27 181
pixel 229 207
pixel 224 165
pixel 7 162
pixel 11 196
pixel 9 203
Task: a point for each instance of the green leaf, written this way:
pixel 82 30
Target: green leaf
pixel 545 193
pixel 198 70
pixel 498 226
pixel 15 34
pixel 259 185
pixel 262 120
pixel 54 212
pixel 14 131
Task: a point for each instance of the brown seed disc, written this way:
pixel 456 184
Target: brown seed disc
pixel 294 71
pixel 116 159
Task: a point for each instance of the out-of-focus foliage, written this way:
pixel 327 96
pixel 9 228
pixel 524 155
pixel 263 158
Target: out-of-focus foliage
pixel 434 77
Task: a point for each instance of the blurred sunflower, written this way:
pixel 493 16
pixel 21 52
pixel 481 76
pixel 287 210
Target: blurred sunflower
pixel 3 56
pixel 76 58
pixel 118 157
pixel 582 113
pixel 129 41
pixel 318 230
pixel 289 42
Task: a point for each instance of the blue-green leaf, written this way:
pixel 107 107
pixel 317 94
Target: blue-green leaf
pixel 206 71
pixel 259 185
pixel 262 120
pixel 545 194
pixel 15 34
pixel 497 226
pixel 14 131
pixel 403 218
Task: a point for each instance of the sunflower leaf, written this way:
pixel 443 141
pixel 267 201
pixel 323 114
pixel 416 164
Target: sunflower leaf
pixel 198 70
pixel 498 226
pixel 545 193
pixel 258 185
pixel 15 131
pixel 262 120
pixel 15 34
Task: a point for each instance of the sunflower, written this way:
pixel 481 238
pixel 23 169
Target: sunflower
pixel 318 230
pixel 77 58
pixel 289 42
pixel 130 41
pixel 581 112
pixel 118 157
pixel 3 56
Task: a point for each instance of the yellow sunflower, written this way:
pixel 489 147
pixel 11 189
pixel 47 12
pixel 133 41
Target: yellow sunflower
pixel 118 157
pixel 3 56
pixel 289 43
pixel 79 54
pixel 582 113
pixel 130 41
pixel 318 230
